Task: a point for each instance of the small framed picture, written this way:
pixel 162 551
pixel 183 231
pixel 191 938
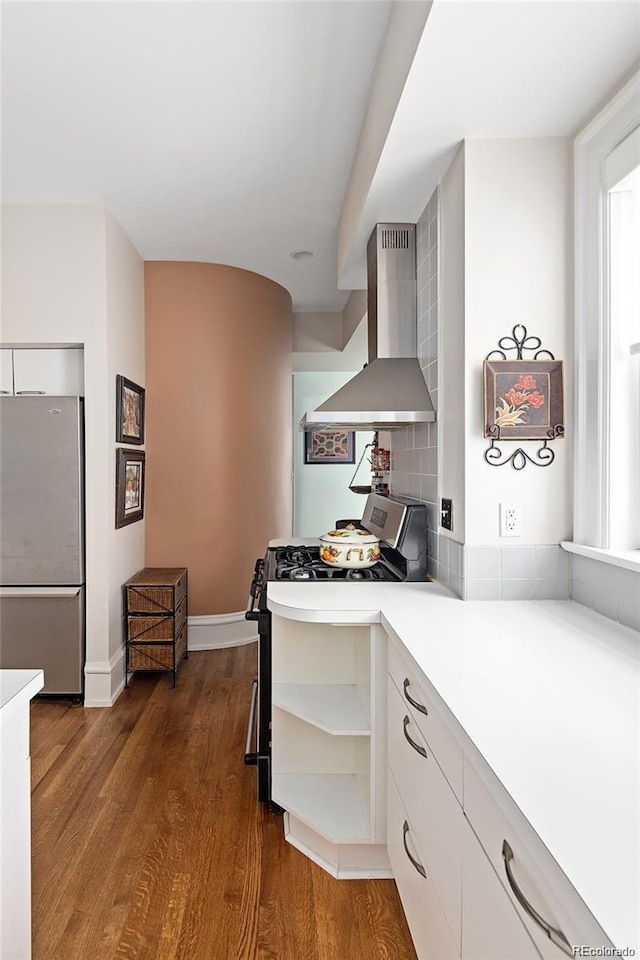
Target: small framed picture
pixel 329 446
pixel 524 398
pixel 130 467
pixel 129 411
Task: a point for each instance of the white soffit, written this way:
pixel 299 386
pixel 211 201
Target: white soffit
pixel 535 68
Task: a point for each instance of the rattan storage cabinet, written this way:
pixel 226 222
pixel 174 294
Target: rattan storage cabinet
pixel 155 620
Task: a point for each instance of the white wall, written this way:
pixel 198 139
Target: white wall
pixel 70 276
pixel 518 269
pixel 321 491
pixel 452 388
pixel 125 356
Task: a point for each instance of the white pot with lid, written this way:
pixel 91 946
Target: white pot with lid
pixel 349 547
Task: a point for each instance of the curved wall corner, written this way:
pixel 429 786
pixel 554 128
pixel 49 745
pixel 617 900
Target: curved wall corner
pixel 218 425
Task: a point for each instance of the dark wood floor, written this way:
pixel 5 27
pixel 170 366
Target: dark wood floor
pixel 148 841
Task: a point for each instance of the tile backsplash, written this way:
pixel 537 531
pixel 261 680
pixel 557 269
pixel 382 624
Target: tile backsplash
pixel 414 450
pixel 526 572
pixel 607 589
pixel 538 572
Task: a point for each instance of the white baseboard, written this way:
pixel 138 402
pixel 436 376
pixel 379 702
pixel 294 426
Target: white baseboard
pixel 221 630
pixel 104 681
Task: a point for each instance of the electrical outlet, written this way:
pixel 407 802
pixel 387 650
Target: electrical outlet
pixel 510 520
pixel 446 514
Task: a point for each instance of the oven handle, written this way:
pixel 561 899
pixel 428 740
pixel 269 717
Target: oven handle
pixel 254 590
pixel 250 758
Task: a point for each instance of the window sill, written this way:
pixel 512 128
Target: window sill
pixel 628 559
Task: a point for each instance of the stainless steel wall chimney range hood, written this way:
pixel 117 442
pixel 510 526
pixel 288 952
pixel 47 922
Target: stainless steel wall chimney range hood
pixel 390 391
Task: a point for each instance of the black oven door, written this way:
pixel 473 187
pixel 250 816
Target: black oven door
pixel 258 744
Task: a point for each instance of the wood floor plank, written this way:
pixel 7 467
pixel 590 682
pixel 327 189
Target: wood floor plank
pixel 149 842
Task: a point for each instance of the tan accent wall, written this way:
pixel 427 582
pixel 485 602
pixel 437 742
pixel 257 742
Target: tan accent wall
pixel 218 425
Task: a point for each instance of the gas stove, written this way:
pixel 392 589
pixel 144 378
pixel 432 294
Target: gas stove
pixel 401 526
pixel 304 564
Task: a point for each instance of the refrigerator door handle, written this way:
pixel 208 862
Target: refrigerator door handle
pixel 28 592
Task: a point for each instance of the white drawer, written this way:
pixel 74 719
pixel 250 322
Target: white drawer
pixel 528 872
pixel 411 686
pixel 491 928
pixel 429 929
pixel 432 808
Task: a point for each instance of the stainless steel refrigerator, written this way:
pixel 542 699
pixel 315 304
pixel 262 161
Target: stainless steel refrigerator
pixel 42 579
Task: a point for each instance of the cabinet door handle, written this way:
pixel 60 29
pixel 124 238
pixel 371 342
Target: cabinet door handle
pixel 421 870
pixel 414 703
pixel 30 393
pixel 556 936
pixel 416 746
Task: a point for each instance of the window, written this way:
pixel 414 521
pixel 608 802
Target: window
pixel 623 302
pixel 607 235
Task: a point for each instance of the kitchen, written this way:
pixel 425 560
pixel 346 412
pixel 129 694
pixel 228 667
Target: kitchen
pixel 93 289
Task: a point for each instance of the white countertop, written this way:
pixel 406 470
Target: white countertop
pixel 17 686
pixel 549 694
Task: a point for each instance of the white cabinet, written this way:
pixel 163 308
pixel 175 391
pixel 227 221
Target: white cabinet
pixel 419 749
pixel 491 928
pixel 432 807
pixel 55 371
pixel 496 886
pixel 430 932
pixel 328 763
pixel 540 893
pixel 16 689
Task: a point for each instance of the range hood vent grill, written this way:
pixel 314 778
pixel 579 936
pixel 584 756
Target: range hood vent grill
pixel 394 239
pixel 390 391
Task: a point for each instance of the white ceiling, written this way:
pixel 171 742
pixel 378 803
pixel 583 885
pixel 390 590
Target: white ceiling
pixel 226 131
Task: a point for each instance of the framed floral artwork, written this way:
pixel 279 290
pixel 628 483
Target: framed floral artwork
pixel 130 467
pixel 329 446
pixel 523 398
pixel 129 411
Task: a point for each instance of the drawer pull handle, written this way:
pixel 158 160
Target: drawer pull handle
pixel 421 870
pixel 414 703
pixel 556 936
pixel 416 746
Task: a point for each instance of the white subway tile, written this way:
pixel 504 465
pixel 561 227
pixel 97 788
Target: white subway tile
pixel 482 562
pixel 581 569
pixel 551 562
pixel 629 611
pixel 456 584
pixel 482 590
pixel 552 590
pixel 456 552
pixel 605 601
pixel 518 563
pixel 581 592
pixel 443 550
pixel 518 589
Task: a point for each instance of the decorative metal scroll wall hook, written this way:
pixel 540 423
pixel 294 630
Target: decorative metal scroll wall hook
pixel 544 455
pixel 519 343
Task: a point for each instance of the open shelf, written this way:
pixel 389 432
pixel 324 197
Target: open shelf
pixel 335 708
pixel 329 803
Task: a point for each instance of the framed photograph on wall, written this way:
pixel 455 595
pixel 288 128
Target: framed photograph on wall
pixel 129 411
pixel 524 398
pixel 329 446
pixel 130 467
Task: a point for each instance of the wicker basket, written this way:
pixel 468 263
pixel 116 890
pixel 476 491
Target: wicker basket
pixel 156 590
pixel 151 629
pixel 157 656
